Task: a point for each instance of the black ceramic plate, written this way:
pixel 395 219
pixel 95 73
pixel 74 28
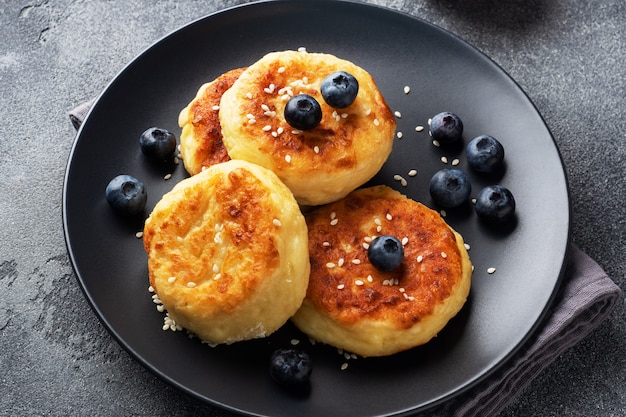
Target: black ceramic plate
pixel 444 74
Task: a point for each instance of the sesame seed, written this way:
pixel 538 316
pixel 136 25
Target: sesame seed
pixel 400 178
pixel 358 282
pixel 367 239
pixel 167 177
pixel 294 342
pixel 386 282
pixel 171 279
pixel 370 278
pixel 444 255
pixel 330 265
pixel 333 215
pixel 436 143
pixel 139 235
pixel 377 221
pixel 296 131
pixel 250 116
pixel 216 268
pixel 281 70
pixel 347 355
pixel 277 222
pixel 305 80
pixel 344 366
pixel 399 135
pixel 429 122
pixel 473 201
pixel 267 128
pixel 405 240
pixel 150 288
pixel 455 162
pixel 368 112
pixel 288 158
pixel 176 160
pixel 376 122
pixel 356 261
pixel 216 107
pixel 269 89
pixel 389 216
pixel 419 128
pixel 326 244
pixel 398 114
pixel 366 245
pixel 333 222
pixel 443 213
pixel 217 276
pixel 249 95
pixel 412 173
pixel 407 89
pixel 444 159
pixel 280 130
pixel 491 270
pixel 340 262
pixel 276 135
pixel 265 107
pixel 160 308
pixel 316 149
pixel 406 296
pixel 191 284
pixel 218 238
pixel 341 286
pixel 401 289
pixel 420 258
pixel 379 229
pixel 251 121
pixel 467 246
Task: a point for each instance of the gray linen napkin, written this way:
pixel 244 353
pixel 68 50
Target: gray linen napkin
pixel 586 297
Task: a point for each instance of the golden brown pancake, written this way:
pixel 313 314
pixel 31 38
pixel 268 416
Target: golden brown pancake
pixel 201 138
pixel 319 165
pixel 228 252
pixel 354 306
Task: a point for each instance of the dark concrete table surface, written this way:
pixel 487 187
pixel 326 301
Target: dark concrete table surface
pixel 57 359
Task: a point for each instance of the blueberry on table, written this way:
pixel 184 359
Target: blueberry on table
pixel 303 112
pixel 157 143
pixel 126 195
pixel 484 154
pixel 446 128
pixel 290 367
pixel 450 187
pixel 495 203
pixel 386 253
pixel 339 89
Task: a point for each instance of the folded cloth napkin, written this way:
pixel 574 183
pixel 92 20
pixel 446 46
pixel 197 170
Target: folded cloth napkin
pixel 586 297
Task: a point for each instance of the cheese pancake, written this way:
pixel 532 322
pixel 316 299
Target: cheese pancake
pixel 354 306
pixel 320 165
pixel 201 138
pixel 228 253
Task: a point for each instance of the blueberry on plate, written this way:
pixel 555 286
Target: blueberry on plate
pixel 126 195
pixel 495 203
pixel 446 128
pixel 157 143
pixel 484 154
pixel 386 253
pixel 303 112
pixel 290 367
pixel 450 187
pixel 339 89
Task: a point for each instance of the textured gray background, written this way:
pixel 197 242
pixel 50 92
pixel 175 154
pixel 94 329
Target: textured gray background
pixel 57 359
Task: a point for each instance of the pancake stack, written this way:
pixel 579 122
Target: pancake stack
pixel 232 256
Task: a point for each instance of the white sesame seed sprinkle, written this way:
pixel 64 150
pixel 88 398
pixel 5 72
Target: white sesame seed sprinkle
pixel 473 201
pixel 160 308
pixel 316 149
pixel 491 270
pixel 249 95
pixel 412 173
pixel 267 128
pixel 370 278
pixel 139 235
pixel 327 244
pixel 368 112
pixel 216 268
pixel 330 265
pixel 191 284
pixel 377 221
pixel 251 121
pixel 436 143
pixel 376 122
pixel 419 128
pixel 341 286
pixel 420 258
pixel 344 366
pixel 405 240
pixel 358 282
pixel 368 239
pixel 399 135
pixel 167 177
pixel 277 223
pixel 333 222
pixel 150 288
pixel 333 215
pixel 467 246
pixel 217 276
pixel 280 70
pixel 455 162
pixel 398 114
pixel 340 262
pixel 389 217
pixel 401 289
pixel 444 255
pixel 356 261
pixel 379 229
pixel 443 213
pixel 444 159
pixel 407 89
pixel 171 279
pixel 288 158
pixel 216 107
pixel 294 342
pixel 366 245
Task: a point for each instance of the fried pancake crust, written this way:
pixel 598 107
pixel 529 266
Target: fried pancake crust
pixel 201 138
pixel 352 305
pixel 228 252
pixel 320 165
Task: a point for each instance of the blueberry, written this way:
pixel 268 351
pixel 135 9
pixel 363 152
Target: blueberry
pixel 303 112
pixel 290 367
pixel 126 195
pixel 495 203
pixel 385 253
pixel 157 143
pixel 339 89
pixel 484 154
pixel 450 187
pixel 446 128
